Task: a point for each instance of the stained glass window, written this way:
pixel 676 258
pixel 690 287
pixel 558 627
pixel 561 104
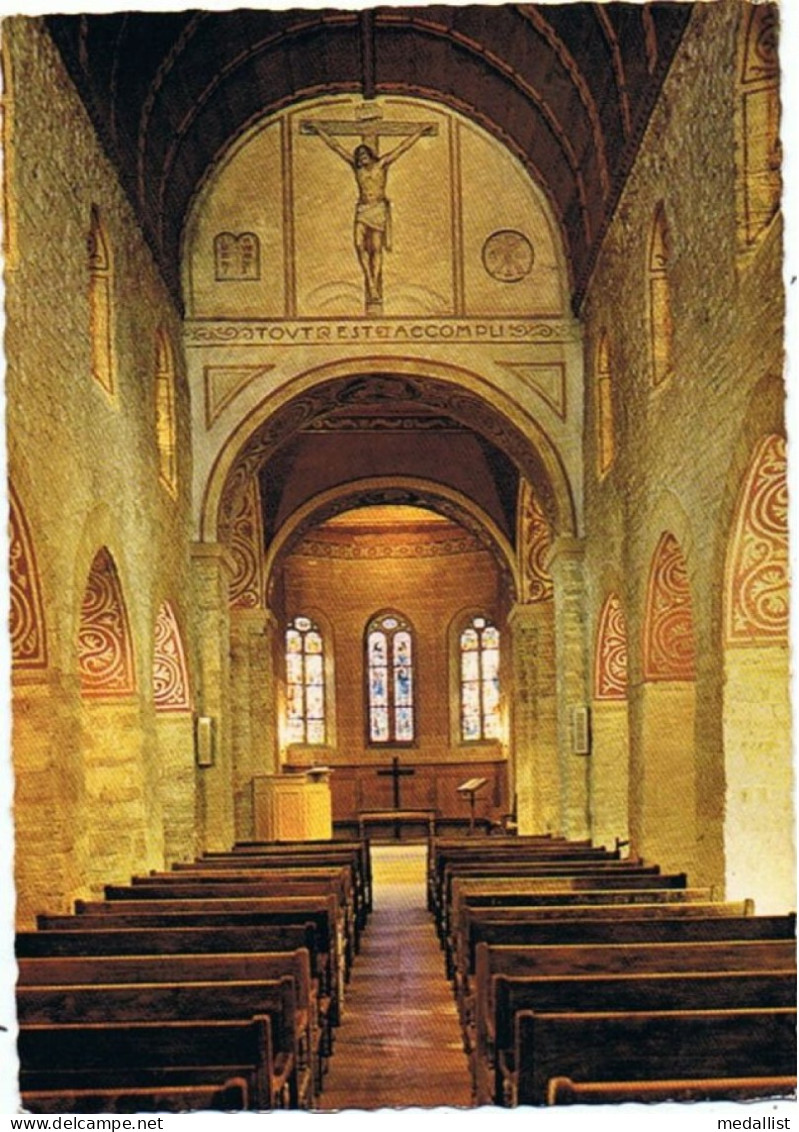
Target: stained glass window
pixel 479 680
pixel 305 682
pixel 389 664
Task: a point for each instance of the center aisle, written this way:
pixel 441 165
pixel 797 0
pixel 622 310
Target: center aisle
pixel 399 1043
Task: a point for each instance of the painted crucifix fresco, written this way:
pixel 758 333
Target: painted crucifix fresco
pixel 372 231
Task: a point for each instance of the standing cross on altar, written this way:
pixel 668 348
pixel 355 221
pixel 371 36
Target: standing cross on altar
pixel 397 772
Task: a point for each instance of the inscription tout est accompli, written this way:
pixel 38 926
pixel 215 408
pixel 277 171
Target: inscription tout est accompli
pixel 372 331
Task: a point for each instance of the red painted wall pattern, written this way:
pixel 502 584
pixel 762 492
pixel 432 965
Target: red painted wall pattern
pixel 757 577
pixel 26 614
pixel 170 674
pixel 536 547
pixel 610 663
pixel 105 653
pixel 669 649
pixel 246 544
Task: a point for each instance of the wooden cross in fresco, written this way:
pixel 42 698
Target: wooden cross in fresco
pixel 396 772
pixel 372 231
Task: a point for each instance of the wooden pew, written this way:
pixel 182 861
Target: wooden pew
pixel 283 885
pixel 256 914
pixel 443 853
pixel 173 969
pixel 613 993
pixel 509 863
pixel 641 1046
pixel 616 872
pixel 221 939
pixel 141 1055
pixel 620 903
pixel 571 960
pixel 562 1090
pixel 638 923
pixel 292 1080
pixel 232 1096
pixel 350 858
pixel 303 849
pixel 520 880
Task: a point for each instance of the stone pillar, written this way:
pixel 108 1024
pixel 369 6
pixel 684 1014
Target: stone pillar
pixel 566 567
pixel 212 567
pixel 50 818
pixel 534 735
pixel 253 693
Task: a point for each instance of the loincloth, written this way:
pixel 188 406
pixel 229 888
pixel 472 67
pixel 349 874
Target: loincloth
pixel 376 216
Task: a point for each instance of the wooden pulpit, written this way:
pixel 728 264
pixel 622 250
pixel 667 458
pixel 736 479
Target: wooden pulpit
pixel 294 806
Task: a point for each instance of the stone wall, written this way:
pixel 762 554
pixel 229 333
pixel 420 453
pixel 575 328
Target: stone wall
pixel 681 447
pixel 91 804
pixel 343 594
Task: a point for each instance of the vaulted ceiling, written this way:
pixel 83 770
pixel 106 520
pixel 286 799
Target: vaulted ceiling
pixel 568 88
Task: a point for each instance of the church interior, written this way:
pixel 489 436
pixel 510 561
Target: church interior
pixel 395 417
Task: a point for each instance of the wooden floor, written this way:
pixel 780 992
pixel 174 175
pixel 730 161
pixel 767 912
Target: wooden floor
pixel 399 1043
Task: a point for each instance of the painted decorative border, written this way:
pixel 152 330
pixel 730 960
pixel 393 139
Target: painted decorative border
pixel 610 664
pixel 757 580
pixel 170 672
pixel 669 649
pixel 105 653
pixel 26 613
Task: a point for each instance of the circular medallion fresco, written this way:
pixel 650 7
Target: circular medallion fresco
pixel 508 255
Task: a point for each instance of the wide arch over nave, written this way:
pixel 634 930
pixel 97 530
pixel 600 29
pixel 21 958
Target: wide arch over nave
pixel 410 321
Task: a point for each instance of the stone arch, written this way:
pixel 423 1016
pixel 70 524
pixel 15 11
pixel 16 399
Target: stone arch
pixel 759 182
pixel 669 646
pixel 467 397
pixel 247 547
pixel 757 710
pixel 386 490
pixel 101 303
pixel 174 736
pixel 165 418
pixel 663 769
pixel 531 653
pixel 26 614
pixel 603 405
pixel 171 688
pixel 105 648
pixel 661 324
pixel 610 727
pixel 535 544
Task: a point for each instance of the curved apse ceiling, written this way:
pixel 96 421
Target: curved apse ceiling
pixel 568 88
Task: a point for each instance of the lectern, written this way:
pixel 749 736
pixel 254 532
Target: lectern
pixel 470 788
pixel 294 806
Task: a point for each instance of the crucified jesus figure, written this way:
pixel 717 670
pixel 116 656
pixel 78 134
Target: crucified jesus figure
pixel 373 209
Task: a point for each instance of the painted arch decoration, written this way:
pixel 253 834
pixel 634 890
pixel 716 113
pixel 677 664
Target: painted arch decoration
pixel 536 544
pixel 610 662
pixel 26 612
pixel 105 650
pixel 170 672
pixel 757 576
pixel 669 647
pixel 246 545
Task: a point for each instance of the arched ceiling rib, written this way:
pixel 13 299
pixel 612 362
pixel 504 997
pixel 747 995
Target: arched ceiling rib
pixel 568 87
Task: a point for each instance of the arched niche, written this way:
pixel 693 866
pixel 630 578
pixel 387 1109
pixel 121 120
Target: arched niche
pixel 757 710
pixel 610 726
pixel 663 772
